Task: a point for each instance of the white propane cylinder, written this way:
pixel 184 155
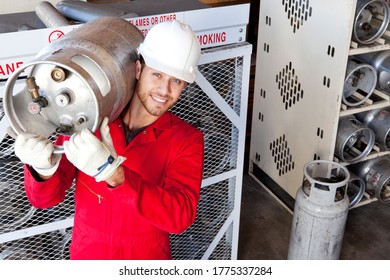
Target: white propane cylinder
pixel 320 212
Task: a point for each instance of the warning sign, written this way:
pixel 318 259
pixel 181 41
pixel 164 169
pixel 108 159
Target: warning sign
pixel 56 34
pixel 212 26
pixel 8 68
pixel 145 23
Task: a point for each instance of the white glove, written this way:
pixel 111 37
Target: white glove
pixel 92 156
pixel 37 151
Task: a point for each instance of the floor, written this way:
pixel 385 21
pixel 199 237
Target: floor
pixel 265 228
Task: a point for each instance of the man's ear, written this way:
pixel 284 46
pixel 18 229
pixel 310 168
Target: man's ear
pixel 138 67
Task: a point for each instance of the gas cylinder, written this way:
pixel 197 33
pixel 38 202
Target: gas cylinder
pixel 354 140
pixel 371 20
pixel 77 80
pixel 356 189
pixel 320 212
pixel 378 120
pixel 381 62
pixel 376 175
pixel 359 84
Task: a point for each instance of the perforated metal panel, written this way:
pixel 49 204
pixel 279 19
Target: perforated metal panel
pixel 217 105
pixel 282 155
pixel 302 52
pixel 297 12
pixel 290 88
pixel 311 111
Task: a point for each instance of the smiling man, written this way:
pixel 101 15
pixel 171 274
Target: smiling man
pixel 138 178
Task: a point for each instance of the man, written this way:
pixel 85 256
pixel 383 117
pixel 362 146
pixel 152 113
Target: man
pixel 138 178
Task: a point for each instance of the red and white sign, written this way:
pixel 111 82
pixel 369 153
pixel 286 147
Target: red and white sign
pixel 145 23
pixel 7 68
pixel 213 27
pixel 54 35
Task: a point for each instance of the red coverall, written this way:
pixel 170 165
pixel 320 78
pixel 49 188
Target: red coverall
pixel 163 174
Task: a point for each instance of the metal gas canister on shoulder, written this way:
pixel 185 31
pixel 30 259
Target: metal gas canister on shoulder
pixel 320 212
pixel 77 80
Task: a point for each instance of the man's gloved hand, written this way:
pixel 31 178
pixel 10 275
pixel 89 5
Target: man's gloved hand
pixel 92 156
pixel 37 151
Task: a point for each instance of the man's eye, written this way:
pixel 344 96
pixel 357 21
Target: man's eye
pixel 158 75
pixel 176 81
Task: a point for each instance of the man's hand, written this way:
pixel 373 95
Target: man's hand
pixel 37 151
pixel 92 156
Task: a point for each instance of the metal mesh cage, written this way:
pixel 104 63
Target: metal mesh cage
pixel 215 206
pixel 29 233
pixel 198 109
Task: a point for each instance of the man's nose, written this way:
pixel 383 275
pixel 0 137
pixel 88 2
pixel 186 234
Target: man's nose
pixel 164 87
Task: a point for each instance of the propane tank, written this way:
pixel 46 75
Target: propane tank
pixel 381 62
pixel 354 140
pixel 359 84
pixel 356 189
pixel 376 175
pixel 371 20
pixel 77 80
pixel 378 121
pixel 320 212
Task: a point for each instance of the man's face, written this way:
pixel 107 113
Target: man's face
pixel 157 91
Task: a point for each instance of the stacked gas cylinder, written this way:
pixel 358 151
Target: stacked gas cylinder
pixel 362 162
pixel 363 137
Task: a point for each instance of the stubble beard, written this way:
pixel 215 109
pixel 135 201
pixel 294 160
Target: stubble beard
pixel 150 108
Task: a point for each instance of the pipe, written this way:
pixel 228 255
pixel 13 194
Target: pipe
pixel 49 15
pixel 24 27
pixel 85 12
pixel 129 15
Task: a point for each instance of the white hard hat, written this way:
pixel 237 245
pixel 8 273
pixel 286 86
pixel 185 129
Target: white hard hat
pixel 172 47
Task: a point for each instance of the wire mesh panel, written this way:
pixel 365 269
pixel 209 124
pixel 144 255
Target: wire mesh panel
pixel 27 233
pixel 198 109
pixel 216 105
pixel 214 208
pixel 15 210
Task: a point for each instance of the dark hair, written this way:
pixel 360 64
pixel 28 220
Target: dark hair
pixel 142 60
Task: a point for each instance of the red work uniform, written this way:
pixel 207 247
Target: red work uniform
pixel 163 174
